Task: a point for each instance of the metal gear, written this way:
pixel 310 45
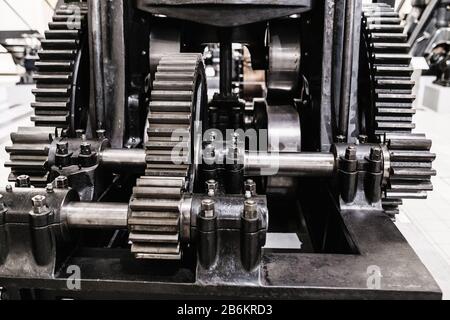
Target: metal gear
pixel 178 92
pixel 391 107
pixel 57 86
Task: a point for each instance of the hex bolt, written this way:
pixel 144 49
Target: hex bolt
pixel 250 188
pixel 8 188
pixel 375 153
pixel 38 201
pixel 350 153
pixel 23 181
pixel 79 133
pixel 62 148
pixel 340 139
pixel 85 148
pixel 61 182
pixel 49 188
pixel 39 204
pixel 100 134
pixel 208 208
pixel 211 187
pixel 250 209
pixel 362 138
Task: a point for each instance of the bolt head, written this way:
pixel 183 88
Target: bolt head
pixel 85 148
pixel 250 209
pixel 8 188
pixel 23 181
pixel 375 153
pixel 363 138
pixel 340 139
pixel 39 201
pixel 101 133
pixel 61 182
pixel 250 185
pixel 207 204
pixel 79 133
pixel 49 188
pixel 207 208
pixel 350 153
pixel 62 148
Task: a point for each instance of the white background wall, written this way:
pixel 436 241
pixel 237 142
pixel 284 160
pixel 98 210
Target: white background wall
pixel 36 13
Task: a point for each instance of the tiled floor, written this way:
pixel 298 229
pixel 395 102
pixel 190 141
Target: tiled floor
pixel 424 223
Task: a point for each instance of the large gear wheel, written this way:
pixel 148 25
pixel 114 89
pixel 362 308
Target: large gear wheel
pixel 61 99
pixel 389 118
pixel 178 97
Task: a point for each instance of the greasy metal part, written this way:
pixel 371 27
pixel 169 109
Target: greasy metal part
pixel 98 215
pixel 32 229
pixel 283 74
pixel 123 160
pixel 252 237
pixel 226 13
pixel 178 95
pixel 60 78
pixel 329 44
pixel 347 67
pixel 207 233
pixel 226 56
pixel 113 55
pixel 283 129
pixel 304 164
pixel 96 54
pixel 348 174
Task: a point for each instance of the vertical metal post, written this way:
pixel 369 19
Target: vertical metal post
pixel 226 56
pixel 107 46
pixel 95 52
pixel 326 127
pixel 347 70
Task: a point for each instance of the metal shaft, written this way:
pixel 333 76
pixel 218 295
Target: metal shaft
pixel 123 159
pixel 305 164
pixel 98 215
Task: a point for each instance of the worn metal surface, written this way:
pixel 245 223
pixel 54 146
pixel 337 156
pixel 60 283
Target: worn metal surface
pixel 224 14
pixel 330 276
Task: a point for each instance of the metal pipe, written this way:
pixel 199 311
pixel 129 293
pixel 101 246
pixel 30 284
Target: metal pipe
pixel 304 164
pixel 98 215
pixel 347 67
pixel 123 159
pixel 225 63
pixel 95 47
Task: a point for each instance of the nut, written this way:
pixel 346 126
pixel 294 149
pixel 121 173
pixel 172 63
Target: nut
pixel 350 153
pixel 23 181
pixel 61 182
pixel 250 209
pixel 208 208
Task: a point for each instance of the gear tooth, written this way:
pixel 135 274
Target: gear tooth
pixel 410 156
pixel 154 220
pixel 53 94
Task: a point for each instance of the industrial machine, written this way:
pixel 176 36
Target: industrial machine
pixel 132 183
